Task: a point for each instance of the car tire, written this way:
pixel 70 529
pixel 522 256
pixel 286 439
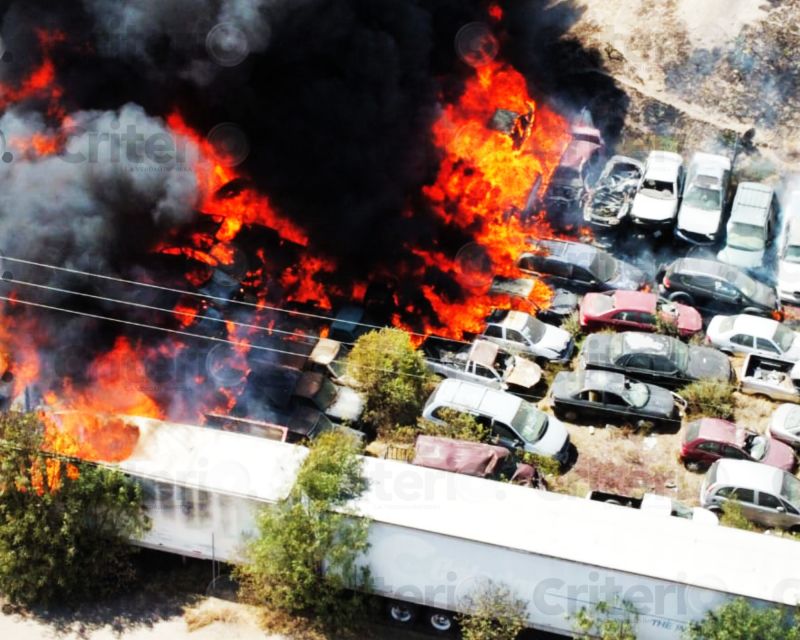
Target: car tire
pixel 401 613
pixel 441 623
pixel 681 297
pixel 693 466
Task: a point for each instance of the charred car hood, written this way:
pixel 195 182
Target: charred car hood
pixel 708 363
pixel 555 340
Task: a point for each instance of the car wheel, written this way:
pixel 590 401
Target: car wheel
pixel 441 622
pixel 693 466
pixel 682 298
pixel 401 613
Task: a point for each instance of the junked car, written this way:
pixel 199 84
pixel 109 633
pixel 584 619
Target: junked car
pixel 609 201
pixel 750 226
pixel 515 423
pixel 770 377
pixel 753 334
pixel 637 310
pixel 713 285
pixel 658 359
pixel 785 424
pixel 607 396
pixel 337 402
pixel 704 198
pixel 709 439
pixel 520 332
pixel 482 362
pixel 580 267
pixel 766 495
pixel 518 293
pixel 568 182
pixel 656 201
pixel 789 253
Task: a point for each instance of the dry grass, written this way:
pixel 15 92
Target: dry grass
pixel 211 611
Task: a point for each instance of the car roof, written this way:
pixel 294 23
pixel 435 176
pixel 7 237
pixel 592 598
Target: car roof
pixel 635 301
pixel 476 397
pixel 709 164
pixel 749 475
pixel 641 342
pixel 514 319
pixel 595 380
pixel 751 204
pixel 755 325
pixel 662 165
pixel 575 252
pixel 716 429
pixel 700 266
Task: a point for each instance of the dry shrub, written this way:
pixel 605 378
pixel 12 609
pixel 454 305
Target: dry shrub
pixel 711 398
pixel 209 612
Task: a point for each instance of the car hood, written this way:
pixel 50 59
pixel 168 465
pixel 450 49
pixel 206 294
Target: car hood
pixel 779 454
pixel 628 277
pixel 741 258
pixel 696 220
pixel 689 318
pixel 555 340
pixel 647 208
pixel 349 405
pixel 553 439
pixel 708 363
pixel 524 373
pixel 789 276
pixel 661 401
pixel 595 349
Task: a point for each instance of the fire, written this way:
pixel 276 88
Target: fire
pixel 41 82
pixel 488 179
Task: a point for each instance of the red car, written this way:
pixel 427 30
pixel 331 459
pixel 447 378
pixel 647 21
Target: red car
pixel 710 439
pixel 636 310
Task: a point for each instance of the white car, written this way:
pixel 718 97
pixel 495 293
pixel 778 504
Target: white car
pixel 753 334
pixel 520 332
pixel 749 229
pixel 789 255
pixel 656 201
pixel 784 425
pixel 700 215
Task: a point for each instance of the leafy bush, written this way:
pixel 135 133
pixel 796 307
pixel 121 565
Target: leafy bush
pixel 64 526
pixel 458 425
pixel 739 620
pixel 496 613
pixel 304 534
pixel 608 621
pixel 732 516
pixel 393 377
pixel 713 398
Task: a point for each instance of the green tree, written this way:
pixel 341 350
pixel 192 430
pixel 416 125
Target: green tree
pixel 495 613
pixel 739 620
pixel 392 375
pixel 304 559
pixel 614 620
pixel 64 526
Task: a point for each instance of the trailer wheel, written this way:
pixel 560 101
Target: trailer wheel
pixel 441 622
pixel 401 613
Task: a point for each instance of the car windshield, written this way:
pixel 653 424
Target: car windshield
pixel 758 447
pixel 702 198
pixel 529 422
pixel 603 267
pixel 792 253
pixel 726 324
pixel 533 329
pixel 637 394
pixel 791 488
pixel 784 337
pixel 658 189
pixel 746 237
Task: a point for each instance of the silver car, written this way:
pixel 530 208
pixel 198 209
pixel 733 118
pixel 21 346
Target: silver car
pixel 767 496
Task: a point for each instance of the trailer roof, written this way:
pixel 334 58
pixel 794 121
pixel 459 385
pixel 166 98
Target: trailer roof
pixel 593 533
pixel 213 460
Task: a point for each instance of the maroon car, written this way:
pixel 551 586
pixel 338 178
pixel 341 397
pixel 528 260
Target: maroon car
pixel 636 310
pixel 710 439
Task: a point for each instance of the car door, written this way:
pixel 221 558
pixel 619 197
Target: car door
pixel 638 365
pixel 624 319
pixel 506 436
pixel 707 452
pixel 583 279
pixel 767 347
pixel 701 287
pixel 561 272
pixel 487 376
pixel 726 294
pixel 742 343
pixel 615 406
pixel 747 501
pixel 770 510
pixel 665 371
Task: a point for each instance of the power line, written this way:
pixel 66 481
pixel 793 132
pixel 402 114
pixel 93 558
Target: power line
pixel 200 295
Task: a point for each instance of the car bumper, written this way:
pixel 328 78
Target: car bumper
pixel 654 224
pixel 604 222
pixel 696 238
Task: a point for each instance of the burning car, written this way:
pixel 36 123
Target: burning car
pixel 709 439
pixel 656 202
pixel 609 202
pixel 517 292
pixel 607 396
pixel 637 310
pixel 522 333
pixel 658 359
pixel 704 197
pixel 569 180
pixel 579 266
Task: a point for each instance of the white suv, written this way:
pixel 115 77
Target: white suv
pixel 515 423
pixel 767 496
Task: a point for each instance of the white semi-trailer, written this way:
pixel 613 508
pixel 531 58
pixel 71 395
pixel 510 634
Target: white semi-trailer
pixel 436 536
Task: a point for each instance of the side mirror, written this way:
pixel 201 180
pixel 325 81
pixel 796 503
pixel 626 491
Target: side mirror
pixel 780 509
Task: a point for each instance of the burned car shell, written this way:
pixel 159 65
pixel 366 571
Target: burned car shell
pixel 578 266
pixel 610 396
pixel 568 182
pixel 657 359
pixel 609 202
